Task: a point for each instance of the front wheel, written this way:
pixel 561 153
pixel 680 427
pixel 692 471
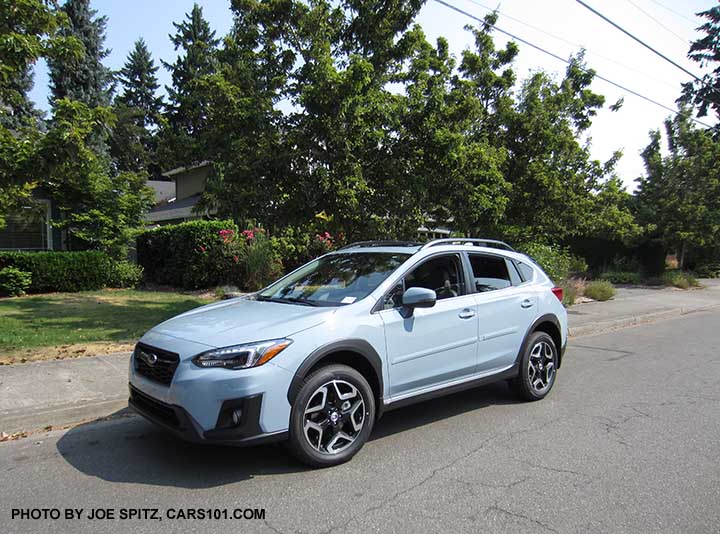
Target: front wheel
pixel 332 416
pixel 538 368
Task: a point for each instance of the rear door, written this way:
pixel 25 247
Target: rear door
pixel 435 345
pixel 506 307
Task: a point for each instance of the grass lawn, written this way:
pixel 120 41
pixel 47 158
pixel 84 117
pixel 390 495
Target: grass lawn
pixel 30 325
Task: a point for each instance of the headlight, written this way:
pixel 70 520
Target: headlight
pixel 242 356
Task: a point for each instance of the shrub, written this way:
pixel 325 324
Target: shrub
pixel 708 270
pixel 192 255
pixel 679 279
pixel 126 274
pixel 556 261
pixel 621 277
pixel 261 263
pixel 297 245
pixel 570 292
pixel 62 271
pixel 599 290
pixel 14 282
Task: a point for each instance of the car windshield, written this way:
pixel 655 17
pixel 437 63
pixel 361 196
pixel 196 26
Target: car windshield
pixel 335 280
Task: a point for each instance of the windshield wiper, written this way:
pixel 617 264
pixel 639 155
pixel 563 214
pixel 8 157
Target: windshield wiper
pixel 286 300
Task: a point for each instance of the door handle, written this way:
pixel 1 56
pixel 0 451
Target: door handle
pixel 527 303
pixel 466 314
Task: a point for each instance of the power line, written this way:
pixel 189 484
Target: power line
pixel 573 44
pixel 694 22
pixel 638 40
pixel 559 58
pixel 659 23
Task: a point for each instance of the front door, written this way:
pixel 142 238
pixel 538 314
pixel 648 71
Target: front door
pixel 435 345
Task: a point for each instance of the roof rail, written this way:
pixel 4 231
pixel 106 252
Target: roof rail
pixel 380 243
pixel 490 243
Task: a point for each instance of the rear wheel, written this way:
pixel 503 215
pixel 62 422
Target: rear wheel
pixel 332 416
pixel 538 367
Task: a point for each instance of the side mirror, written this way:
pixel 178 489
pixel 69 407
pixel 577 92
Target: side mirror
pixel 418 297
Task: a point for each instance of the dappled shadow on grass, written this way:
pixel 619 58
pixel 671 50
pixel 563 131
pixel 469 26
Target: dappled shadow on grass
pixel 132 450
pixel 49 320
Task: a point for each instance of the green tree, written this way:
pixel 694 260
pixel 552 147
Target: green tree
pixel 186 113
pixel 243 128
pixel 98 209
pixel 86 79
pixel 704 94
pixel 558 190
pixel 29 30
pixel 678 198
pixel 133 143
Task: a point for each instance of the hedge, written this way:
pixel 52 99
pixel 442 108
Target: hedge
pixel 195 254
pixel 69 271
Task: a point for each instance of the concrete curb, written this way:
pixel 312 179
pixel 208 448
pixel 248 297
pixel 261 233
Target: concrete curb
pixel 635 320
pixel 61 415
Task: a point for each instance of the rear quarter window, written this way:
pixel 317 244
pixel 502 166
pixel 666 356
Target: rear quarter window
pixel 527 272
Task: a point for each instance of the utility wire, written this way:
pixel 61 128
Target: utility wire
pixel 658 22
pixel 694 22
pixel 551 54
pixel 574 44
pixel 638 40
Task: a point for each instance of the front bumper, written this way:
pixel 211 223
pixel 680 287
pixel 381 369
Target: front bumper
pixel 178 421
pixel 190 402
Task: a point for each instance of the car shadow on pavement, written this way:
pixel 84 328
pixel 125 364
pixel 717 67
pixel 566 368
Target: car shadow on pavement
pixel 128 449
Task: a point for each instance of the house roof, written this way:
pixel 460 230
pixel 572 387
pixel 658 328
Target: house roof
pixel 180 170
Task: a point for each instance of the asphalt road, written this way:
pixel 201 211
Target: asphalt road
pixel 628 441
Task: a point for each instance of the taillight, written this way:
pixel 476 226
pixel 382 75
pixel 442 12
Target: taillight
pixel 558 292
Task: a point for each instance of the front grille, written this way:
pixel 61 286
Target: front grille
pixel 159 410
pixel 156 364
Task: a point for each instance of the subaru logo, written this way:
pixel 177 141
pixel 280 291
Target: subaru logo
pixel 149 358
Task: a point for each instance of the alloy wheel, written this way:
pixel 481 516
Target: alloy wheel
pixel 334 417
pixel 541 366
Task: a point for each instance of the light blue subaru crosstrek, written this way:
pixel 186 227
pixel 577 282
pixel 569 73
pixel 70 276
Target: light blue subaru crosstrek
pixel 318 356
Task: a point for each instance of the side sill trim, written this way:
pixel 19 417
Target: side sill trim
pixel 444 389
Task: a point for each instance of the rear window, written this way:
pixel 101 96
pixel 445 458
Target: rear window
pixel 490 272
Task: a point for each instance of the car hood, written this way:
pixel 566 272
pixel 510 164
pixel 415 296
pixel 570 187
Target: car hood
pixel 242 320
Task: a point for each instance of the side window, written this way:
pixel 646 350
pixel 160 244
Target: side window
pixel 442 274
pixel 490 272
pixel 526 271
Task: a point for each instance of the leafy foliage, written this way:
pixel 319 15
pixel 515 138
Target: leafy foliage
pixel 678 198
pixel 599 290
pixel 557 262
pixel 14 282
pixel 705 93
pixel 64 271
pixel 622 277
pixel 195 254
pixel 29 30
pixel 97 208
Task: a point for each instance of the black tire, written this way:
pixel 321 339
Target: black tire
pixel 527 383
pixel 346 378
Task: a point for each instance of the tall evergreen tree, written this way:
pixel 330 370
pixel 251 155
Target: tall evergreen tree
pixel 186 112
pixel 133 144
pixel 139 82
pixel 86 80
pixel 705 93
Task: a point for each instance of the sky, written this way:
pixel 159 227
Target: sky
pixel 562 27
